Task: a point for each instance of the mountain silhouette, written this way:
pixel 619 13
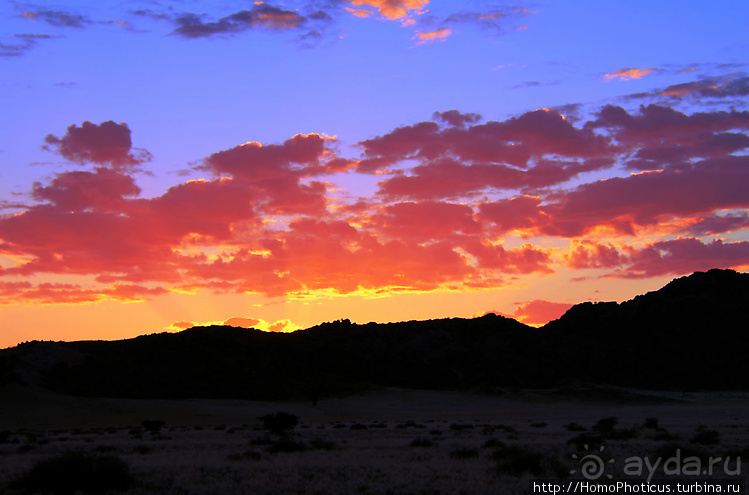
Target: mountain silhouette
pixel 689 335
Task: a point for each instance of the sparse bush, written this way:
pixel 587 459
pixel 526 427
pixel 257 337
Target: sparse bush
pixel 422 442
pixel 706 437
pixel 358 426
pixel 410 424
pixel 539 425
pixel 250 455
pixel 72 472
pixel 493 443
pixel 682 450
pixel 142 449
pixel 623 434
pixel 606 425
pixel 460 427
pixel 322 444
pixel 662 435
pixel 651 423
pixel 575 427
pixel 152 425
pixel 285 445
pixel 516 461
pixel 279 422
pixel 583 439
pixel 464 453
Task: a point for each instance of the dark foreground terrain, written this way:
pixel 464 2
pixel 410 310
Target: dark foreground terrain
pixel 393 441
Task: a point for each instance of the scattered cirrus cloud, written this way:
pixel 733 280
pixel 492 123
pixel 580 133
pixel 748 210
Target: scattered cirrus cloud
pixel 57 18
pixel 628 74
pixel 25 43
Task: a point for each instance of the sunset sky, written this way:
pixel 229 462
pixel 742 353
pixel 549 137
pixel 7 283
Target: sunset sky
pixel 165 164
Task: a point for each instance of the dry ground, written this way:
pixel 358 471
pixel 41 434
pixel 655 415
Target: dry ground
pixel 386 442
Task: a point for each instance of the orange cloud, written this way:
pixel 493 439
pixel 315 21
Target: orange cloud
pixel 627 74
pixel 440 34
pixel 393 9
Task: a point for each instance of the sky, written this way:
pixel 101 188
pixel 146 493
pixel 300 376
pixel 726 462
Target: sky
pixel 165 164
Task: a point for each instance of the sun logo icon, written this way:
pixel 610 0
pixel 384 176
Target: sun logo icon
pixel 591 465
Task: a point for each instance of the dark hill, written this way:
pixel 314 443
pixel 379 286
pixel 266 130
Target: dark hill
pixel 691 334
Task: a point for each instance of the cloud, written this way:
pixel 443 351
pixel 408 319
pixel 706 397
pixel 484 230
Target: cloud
pixel 27 42
pixel 628 74
pixel 275 172
pixel 102 189
pixel 622 204
pixel 714 87
pixel 490 19
pixel 390 9
pixel 57 18
pixel 440 34
pixel 58 293
pixel 241 322
pixel 538 312
pixel 454 197
pixel 524 259
pixel 425 220
pixel 668 257
pixel 260 16
pixel 107 143
pixel 495 154
pixel 456 119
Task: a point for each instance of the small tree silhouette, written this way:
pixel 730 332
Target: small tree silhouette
pixel 279 422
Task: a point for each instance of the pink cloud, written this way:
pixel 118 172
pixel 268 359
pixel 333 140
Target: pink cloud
pixel 539 312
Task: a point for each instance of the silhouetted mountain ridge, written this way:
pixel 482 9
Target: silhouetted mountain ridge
pixel 691 334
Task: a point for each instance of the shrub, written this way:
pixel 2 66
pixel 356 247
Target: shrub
pixel 322 444
pixel 279 422
pixel 651 423
pixel 662 435
pixel 683 450
pixel 249 456
pixel 574 427
pixel 422 442
pixel 152 425
pixel 493 443
pixel 73 472
pixel 606 425
pixel 464 453
pixel 516 461
pixel 285 445
pixel 583 439
pixel 706 437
